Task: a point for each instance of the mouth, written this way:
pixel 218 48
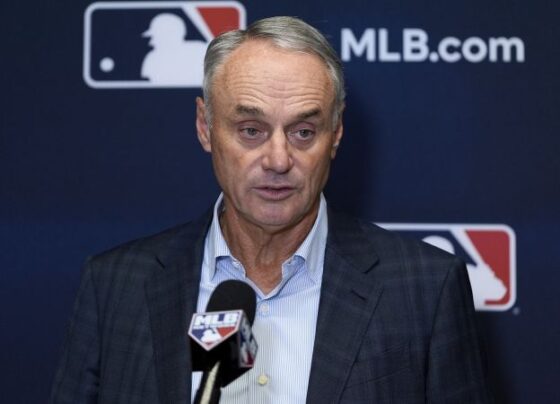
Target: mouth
pixel 274 193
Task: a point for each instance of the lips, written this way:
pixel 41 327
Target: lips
pixel 274 192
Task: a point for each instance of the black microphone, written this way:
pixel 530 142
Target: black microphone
pixel 222 343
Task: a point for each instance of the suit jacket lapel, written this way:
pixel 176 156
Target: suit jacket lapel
pixel 171 295
pixel 348 300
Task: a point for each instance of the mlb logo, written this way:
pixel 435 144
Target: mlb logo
pixel 248 345
pixel 153 44
pixel 211 329
pixel 488 251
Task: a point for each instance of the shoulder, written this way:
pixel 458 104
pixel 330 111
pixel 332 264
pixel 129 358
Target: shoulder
pixel 392 245
pixel 413 274
pixel 143 255
pixel 396 254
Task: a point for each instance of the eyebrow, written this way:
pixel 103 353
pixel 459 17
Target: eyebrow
pixel 309 114
pixel 248 110
pixel 256 111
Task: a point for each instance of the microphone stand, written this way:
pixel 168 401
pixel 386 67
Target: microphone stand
pixel 209 391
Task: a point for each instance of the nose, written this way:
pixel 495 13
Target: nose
pixel 278 155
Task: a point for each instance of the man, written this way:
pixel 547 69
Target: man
pixel 346 312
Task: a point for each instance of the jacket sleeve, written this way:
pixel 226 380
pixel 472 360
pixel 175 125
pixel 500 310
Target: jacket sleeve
pixel 77 378
pixel 456 369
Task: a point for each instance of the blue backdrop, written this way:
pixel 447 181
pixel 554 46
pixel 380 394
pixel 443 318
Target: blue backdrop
pixel 452 118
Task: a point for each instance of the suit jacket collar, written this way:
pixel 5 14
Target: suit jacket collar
pixel 171 294
pixel 349 297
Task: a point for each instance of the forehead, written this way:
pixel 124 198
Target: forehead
pixel 260 72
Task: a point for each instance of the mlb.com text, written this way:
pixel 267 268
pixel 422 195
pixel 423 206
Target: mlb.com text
pixel 373 45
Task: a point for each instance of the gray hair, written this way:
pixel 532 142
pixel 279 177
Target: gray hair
pixel 287 33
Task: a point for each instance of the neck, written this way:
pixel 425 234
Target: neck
pixel 262 250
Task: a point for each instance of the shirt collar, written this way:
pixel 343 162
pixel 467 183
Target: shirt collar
pixel 311 250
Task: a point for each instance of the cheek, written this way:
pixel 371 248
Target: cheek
pixel 314 177
pixel 316 167
pixel 223 163
pixel 232 167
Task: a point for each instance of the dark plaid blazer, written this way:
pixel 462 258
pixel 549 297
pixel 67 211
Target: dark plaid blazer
pixel 395 325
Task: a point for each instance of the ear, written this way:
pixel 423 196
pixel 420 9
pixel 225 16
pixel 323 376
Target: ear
pixel 337 137
pixel 202 127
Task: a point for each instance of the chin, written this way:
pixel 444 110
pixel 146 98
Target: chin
pixel 276 218
pixel 273 221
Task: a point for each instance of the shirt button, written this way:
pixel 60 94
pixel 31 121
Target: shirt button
pixel 262 379
pixel 264 309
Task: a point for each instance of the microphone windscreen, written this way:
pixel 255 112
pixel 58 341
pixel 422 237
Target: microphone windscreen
pixel 233 295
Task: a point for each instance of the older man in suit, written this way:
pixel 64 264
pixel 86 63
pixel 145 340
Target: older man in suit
pixel 346 312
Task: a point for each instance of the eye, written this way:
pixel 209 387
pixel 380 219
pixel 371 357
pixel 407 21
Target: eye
pixel 250 132
pixel 302 135
pixel 305 133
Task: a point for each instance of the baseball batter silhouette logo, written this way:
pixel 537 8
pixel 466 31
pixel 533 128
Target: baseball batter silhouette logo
pixel 153 44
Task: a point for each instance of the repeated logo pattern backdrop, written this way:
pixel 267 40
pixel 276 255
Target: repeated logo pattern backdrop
pixel 451 136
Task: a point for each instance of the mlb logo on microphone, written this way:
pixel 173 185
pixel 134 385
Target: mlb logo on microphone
pixel 153 44
pixel 488 251
pixel 211 329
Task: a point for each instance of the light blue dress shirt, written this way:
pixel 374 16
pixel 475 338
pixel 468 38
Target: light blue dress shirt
pixel 285 320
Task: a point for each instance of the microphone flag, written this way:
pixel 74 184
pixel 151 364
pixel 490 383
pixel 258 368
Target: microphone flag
pixel 211 329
